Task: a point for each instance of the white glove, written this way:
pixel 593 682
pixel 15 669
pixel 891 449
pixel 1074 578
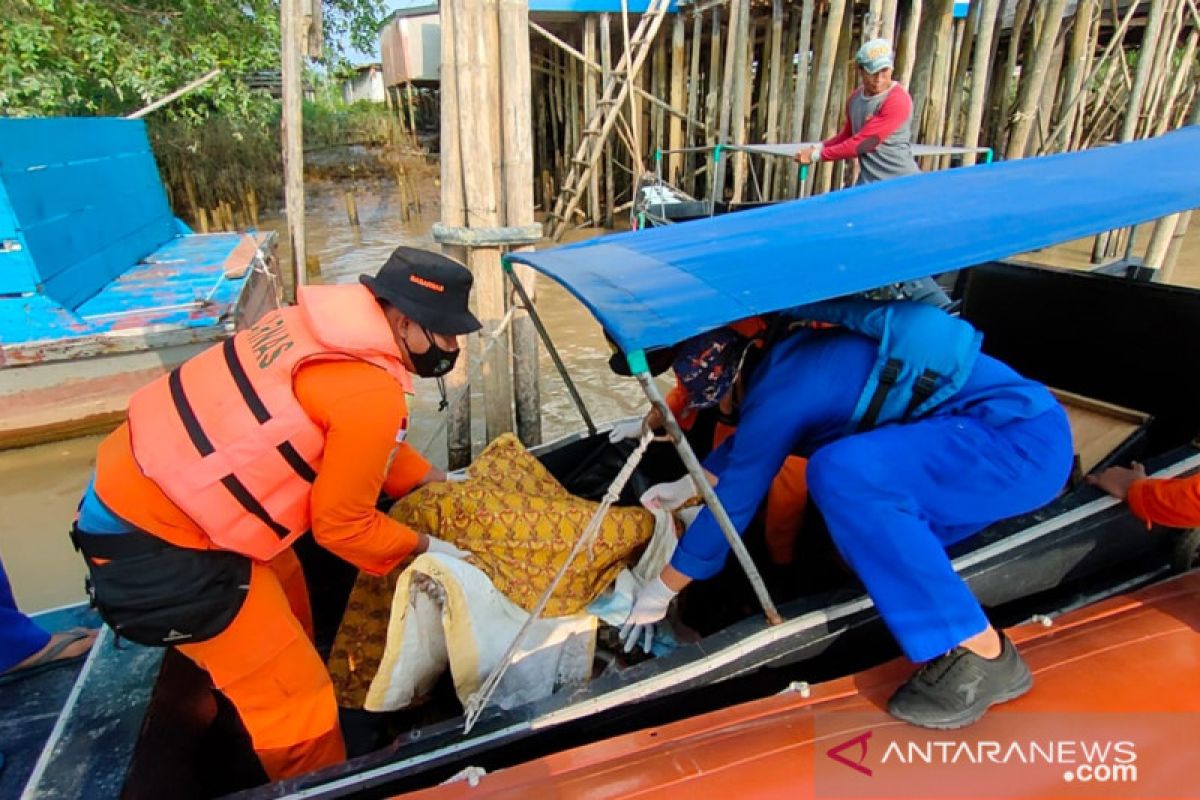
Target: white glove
pixel 630 429
pixel 444 548
pixel 458 476
pixel 669 495
pixel 649 607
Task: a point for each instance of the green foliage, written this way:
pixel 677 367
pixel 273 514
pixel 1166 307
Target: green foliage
pixel 363 122
pixel 110 57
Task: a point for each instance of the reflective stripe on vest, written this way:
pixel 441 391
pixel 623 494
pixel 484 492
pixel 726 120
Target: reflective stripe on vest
pixel 224 436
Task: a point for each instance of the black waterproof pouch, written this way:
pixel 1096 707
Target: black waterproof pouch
pixel 153 593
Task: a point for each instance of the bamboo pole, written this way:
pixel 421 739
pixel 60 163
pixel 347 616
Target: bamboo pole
pixel 712 84
pixel 596 68
pixel 517 162
pixel 988 14
pixel 589 110
pixel 935 33
pixel 1142 76
pixel 454 214
pixel 939 73
pixel 726 100
pixel 659 84
pixel 1169 233
pixel 800 94
pixel 351 209
pixel 824 74
pixel 965 36
pixel 1112 242
pixel 293 138
pixel 1033 78
pixel 1114 44
pixel 888 26
pixel 744 45
pixel 693 99
pixel 180 92
pixel 1078 58
pixel 756 79
pixel 605 78
pixel 835 108
pixel 1016 38
pixel 906 54
pixel 1186 64
pixel 873 20
pixel 775 63
pixel 1160 71
pixel 635 108
pixel 678 75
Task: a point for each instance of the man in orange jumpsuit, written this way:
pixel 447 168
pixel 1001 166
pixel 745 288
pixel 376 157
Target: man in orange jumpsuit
pixel 295 424
pixel 1174 502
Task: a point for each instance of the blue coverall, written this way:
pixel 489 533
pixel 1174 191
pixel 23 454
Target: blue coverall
pixel 20 636
pixel 895 496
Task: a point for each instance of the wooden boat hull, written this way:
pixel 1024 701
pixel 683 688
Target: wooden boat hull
pixel 78 385
pixel 1082 547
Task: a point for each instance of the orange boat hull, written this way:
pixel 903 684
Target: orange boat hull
pixel 1123 673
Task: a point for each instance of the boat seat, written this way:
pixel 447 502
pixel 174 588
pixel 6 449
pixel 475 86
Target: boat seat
pixel 1101 431
pixel 178 282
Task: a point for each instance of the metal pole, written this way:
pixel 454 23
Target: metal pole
pixel 638 366
pixel 554 356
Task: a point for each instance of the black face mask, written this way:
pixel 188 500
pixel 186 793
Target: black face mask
pixel 434 362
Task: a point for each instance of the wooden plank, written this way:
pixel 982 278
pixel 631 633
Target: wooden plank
pixel 1097 428
pixel 90 748
pixel 39 142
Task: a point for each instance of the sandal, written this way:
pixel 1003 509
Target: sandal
pixel 49 659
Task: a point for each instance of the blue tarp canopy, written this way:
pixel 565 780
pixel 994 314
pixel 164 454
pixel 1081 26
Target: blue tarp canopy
pixel 660 286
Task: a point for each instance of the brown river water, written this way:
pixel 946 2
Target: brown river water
pixel 40 486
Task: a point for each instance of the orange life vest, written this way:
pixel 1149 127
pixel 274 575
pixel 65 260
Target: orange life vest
pixel 223 434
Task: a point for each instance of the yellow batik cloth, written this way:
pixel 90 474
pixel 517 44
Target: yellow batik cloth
pixel 519 524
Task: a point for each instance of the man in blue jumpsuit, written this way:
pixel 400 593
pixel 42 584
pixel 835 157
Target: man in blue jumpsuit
pixel 951 442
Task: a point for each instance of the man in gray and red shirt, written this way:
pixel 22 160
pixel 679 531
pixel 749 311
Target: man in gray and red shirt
pixel 878 129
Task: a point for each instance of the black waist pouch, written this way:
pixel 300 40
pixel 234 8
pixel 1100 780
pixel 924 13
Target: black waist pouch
pixel 157 594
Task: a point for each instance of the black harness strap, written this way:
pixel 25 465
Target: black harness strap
pixel 251 504
pixel 245 388
pixel 204 445
pixel 187 415
pixel 923 389
pixel 887 379
pixel 260 412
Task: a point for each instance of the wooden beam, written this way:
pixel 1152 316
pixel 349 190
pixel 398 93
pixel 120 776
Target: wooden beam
pixel 517 169
pixel 291 119
pixel 453 212
pixel 678 76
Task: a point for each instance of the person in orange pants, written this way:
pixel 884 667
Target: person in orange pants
pixel 294 425
pixel 787 498
pixel 1174 502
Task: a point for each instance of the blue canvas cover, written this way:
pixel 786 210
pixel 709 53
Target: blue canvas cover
pixel 660 286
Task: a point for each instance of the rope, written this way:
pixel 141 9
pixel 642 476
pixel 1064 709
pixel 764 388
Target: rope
pixel 479 699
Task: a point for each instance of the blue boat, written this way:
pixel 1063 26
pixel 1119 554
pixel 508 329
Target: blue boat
pixel 143 723
pixel 102 288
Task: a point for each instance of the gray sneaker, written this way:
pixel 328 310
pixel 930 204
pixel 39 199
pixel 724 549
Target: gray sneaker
pixel 956 689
